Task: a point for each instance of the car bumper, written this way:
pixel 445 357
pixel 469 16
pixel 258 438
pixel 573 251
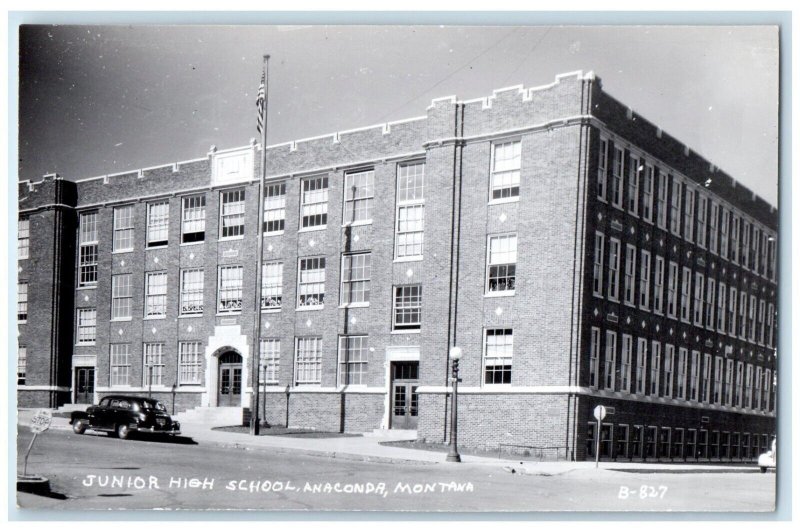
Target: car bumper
pixel 151 430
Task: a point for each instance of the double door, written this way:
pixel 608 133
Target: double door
pixel 230 380
pixel 84 385
pixel 405 400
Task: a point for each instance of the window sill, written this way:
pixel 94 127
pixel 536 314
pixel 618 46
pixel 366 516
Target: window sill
pixel 224 314
pixel 152 248
pixel 309 307
pixel 272 233
pixel 88 287
pixel 602 200
pixel 230 238
pixel 87 344
pixel 150 318
pixel 629 304
pixel 121 319
pixel 405 331
pixel 613 299
pixel 270 310
pixel 415 258
pixel 354 305
pixel 357 223
pixel 122 251
pixel 185 316
pixel 506 293
pixel 199 242
pixel 595 294
pixel 503 201
pixel 312 229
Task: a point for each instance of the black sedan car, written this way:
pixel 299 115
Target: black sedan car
pixel 119 415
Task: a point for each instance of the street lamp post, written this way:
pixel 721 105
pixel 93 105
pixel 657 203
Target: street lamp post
pixel 453 456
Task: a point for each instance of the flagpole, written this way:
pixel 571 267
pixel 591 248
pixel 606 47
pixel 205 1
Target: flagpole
pixel 256 351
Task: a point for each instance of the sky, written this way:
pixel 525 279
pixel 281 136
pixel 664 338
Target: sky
pixel 96 100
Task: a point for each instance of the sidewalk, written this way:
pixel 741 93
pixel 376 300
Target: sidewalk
pixel 368 448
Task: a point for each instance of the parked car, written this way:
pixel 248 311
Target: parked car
pixel 769 459
pixel 119 415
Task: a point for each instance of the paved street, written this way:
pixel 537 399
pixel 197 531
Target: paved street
pixel 99 472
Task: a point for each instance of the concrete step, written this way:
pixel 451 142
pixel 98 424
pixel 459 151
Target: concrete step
pixel 212 416
pixel 392 434
pixel 68 408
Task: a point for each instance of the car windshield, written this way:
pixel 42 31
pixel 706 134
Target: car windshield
pixel 148 404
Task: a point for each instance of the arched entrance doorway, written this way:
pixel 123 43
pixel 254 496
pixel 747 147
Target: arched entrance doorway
pixel 229 379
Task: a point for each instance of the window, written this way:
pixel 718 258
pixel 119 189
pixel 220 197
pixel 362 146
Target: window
pixel 655 368
pixel 633 185
pixel 661 213
pixel 683 366
pixel 22 302
pixel 155 305
pixel 121 296
pixel 672 290
pixel 190 363
pixel 647 196
pixel 616 177
pixel 192 291
pixel 308 361
pixel 193 219
pixel 713 223
pixel 23 238
pixel 702 215
pixel 669 363
pixel 87 249
pixel 271 285
pixel 688 215
pixel 699 285
pixel 407 313
pixel 732 300
pixel 644 281
pixel 711 291
pixel 751 319
pixel 641 365
pixel 610 370
pixel 757 394
pixel 729 382
pixel 658 292
pixel 269 360
pixel 602 167
pixel 353 351
pixel 706 378
pixel 120 364
pixel 22 364
pixel 763 261
pixel 717 380
pixel 748 387
pixel 232 214
pixel 675 207
pixel 506 163
pixel 613 269
pixel 694 377
pixel 765 401
pixel 356 273
pixel 229 289
pixel 87 326
pixel 723 233
pixel 410 210
pixel 630 275
pixel 721 293
pixel 123 228
pixel 157 223
pixel 770 325
pixel 359 190
pixel 498 351
pixel 153 364
pixel 311 282
pixel 502 265
pixel 314 202
pixel 594 357
pixel 597 274
pixel 686 290
pixel 734 238
pixel 771 266
pixel 755 243
pixel 627 361
pixel 742 315
pixel 745 256
pixel 739 384
pixel 274 208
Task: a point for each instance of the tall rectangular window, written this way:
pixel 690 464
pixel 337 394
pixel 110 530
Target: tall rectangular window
pixel 157 223
pixel 647 195
pixel 193 219
pixel 755 244
pixel 120 364
pixel 706 378
pixel 675 207
pixel 745 255
pixel 738 391
pixel 123 228
pixel 658 291
pixel 718 380
pixel 748 387
pixel 359 191
pixel 232 214
pixel 732 301
pixel 502 264
pixel 23 238
pixel 594 357
pixel 661 213
pixel 602 168
pixel 155 302
pixel 669 370
pixel 757 385
pixel 722 291
pixel 272 285
pixel 702 215
pixel 498 351
pixel 229 289
pixel 87 249
pixel 153 364
pixel 644 281
pixel 311 282
pixel 751 319
pixel 87 326
pixel 314 202
pixel 597 273
pixel 686 291
pixel 269 360
pixel 617 171
pixel 356 274
pixel 641 366
pixel 353 358
pixel 688 215
pixel 729 382
pixel 630 275
pixel 723 233
pixel 770 340
pixel 121 296
pixel 308 361
pixel 192 291
pixel 655 368
pixel 633 185
pixel 506 165
pixel 694 377
pixel 763 261
pixel 771 265
pixel 410 217
pixel 407 311
pixel 22 302
pixel 610 368
pixel 672 290
pixel 274 208
pixel 735 224
pixel 713 227
pixel 22 364
pixel 766 391
pixel 683 363
pixel 699 286
pixel 613 269
pixel 190 363
pixel 742 315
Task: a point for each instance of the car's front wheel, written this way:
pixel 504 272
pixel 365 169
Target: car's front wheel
pixel 123 432
pixel 78 426
pixel 763 469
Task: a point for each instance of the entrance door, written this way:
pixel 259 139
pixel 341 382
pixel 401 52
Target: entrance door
pixel 405 380
pixel 230 380
pixel 84 385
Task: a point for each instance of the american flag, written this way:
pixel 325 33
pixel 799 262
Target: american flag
pixel 260 102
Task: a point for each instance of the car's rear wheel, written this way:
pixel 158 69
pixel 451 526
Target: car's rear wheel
pixel 123 432
pixel 763 469
pixel 78 426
